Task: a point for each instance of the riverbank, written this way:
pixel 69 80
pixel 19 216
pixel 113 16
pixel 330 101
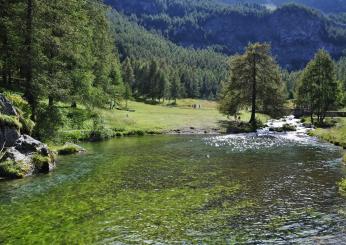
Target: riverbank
pixel 187 116
pixel 335 135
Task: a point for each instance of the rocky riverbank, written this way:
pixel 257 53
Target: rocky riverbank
pixel 21 155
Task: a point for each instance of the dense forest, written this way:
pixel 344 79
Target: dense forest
pixel 295 32
pixel 330 6
pixel 200 71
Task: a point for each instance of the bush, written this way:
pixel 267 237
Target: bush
pixel 27 125
pixel 77 118
pixel 49 120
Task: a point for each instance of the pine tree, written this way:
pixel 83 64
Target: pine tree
pixel 318 90
pixel 175 88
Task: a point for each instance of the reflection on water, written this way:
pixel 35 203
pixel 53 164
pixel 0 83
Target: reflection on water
pixel 256 188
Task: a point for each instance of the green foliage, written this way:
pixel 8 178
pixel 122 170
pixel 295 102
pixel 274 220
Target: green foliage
pixel 318 90
pixel 10 121
pixel 342 186
pixel 49 120
pixel 69 53
pixel 200 71
pixel 27 125
pixel 206 24
pixel 335 135
pixel 254 81
pixel 341 77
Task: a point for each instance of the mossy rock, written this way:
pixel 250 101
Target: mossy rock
pixel 42 163
pixel 14 170
pixel 284 128
pixel 69 149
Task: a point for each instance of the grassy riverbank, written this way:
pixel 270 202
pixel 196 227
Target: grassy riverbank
pixel 142 118
pixel 335 135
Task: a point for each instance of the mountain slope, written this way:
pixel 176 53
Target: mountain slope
pixel 206 68
pixel 327 6
pixel 295 32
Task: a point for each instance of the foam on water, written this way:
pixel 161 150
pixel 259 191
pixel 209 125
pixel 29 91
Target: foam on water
pixel 266 138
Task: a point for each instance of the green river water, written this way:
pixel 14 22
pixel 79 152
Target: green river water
pixel 247 189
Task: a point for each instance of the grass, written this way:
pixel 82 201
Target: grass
pixel 142 118
pixel 10 121
pixel 335 135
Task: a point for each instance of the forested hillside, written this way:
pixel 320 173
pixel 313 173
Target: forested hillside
pixel 328 6
pixel 200 71
pixel 295 32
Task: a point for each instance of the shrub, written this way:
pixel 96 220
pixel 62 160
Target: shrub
pixel 27 125
pixel 77 118
pixel 49 120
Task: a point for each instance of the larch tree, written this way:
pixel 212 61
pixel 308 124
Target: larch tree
pixel 255 82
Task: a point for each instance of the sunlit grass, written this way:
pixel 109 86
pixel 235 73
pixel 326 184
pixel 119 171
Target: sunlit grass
pixel 335 135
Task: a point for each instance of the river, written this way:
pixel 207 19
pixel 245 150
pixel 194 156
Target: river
pixel 251 188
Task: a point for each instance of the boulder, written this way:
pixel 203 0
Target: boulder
pixel 8 133
pixel 20 155
pixel 6 107
pixel 27 144
pixel 26 157
pixel 8 136
pixel 70 148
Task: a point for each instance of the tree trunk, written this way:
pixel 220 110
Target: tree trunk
pixel 312 118
pixel 50 101
pixel 28 70
pixel 254 93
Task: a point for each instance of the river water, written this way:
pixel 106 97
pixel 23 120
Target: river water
pixel 264 188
